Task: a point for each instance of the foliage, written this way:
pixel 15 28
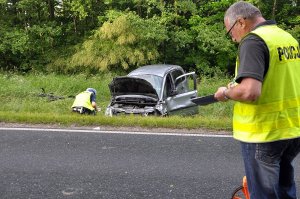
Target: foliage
pixel 71 36
pixel 214 50
pixel 127 40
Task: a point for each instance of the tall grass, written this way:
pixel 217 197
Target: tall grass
pixel 20 102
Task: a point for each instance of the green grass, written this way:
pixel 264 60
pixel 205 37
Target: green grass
pixel 20 103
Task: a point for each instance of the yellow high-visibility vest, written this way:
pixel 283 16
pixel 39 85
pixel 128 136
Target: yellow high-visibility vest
pixel 83 100
pixel 276 113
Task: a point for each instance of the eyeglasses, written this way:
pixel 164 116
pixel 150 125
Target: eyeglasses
pixel 230 29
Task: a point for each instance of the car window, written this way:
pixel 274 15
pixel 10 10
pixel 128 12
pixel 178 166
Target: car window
pixel 176 73
pixel 154 80
pixel 190 83
pixel 168 87
pixel 186 83
pixel 182 84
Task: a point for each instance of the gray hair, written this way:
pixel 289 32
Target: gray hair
pixel 242 9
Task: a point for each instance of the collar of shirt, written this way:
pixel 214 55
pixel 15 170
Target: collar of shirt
pixel 267 22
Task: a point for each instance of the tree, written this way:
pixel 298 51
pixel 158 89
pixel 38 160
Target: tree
pixel 125 41
pixel 88 34
pixel 51 9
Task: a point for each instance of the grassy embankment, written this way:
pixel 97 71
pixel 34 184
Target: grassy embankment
pixel 20 103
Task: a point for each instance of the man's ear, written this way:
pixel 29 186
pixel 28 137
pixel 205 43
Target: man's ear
pixel 242 23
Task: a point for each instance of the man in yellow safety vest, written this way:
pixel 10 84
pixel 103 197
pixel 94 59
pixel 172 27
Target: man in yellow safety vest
pixel 266 91
pixel 85 102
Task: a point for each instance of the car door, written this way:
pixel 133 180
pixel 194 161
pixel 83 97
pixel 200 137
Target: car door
pixel 183 87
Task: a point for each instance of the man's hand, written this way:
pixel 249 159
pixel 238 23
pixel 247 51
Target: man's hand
pixel 220 94
pixel 247 91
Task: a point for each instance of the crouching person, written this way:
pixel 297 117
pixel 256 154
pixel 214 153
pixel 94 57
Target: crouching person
pixel 85 102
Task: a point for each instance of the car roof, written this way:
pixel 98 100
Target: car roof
pixel 156 69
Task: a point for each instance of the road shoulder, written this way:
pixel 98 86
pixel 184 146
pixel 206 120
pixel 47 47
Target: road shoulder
pixel 112 128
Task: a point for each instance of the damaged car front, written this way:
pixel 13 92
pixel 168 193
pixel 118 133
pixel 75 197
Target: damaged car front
pixel 133 95
pixel 159 89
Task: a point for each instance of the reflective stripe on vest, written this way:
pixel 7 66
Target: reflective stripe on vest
pixel 83 100
pixel 276 114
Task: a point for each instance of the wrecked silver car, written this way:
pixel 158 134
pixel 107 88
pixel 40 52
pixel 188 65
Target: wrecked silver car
pixel 154 90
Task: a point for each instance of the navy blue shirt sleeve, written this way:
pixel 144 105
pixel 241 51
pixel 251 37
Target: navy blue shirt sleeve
pixel 253 58
pixel 93 97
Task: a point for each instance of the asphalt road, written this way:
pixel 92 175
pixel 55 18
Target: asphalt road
pixel 90 165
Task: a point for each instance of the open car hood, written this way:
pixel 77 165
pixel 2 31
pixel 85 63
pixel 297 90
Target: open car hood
pixel 131 86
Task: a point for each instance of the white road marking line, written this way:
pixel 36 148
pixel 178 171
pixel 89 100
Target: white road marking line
pixel 116 132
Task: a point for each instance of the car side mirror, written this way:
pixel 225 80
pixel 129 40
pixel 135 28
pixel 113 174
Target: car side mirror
pixel 173 92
